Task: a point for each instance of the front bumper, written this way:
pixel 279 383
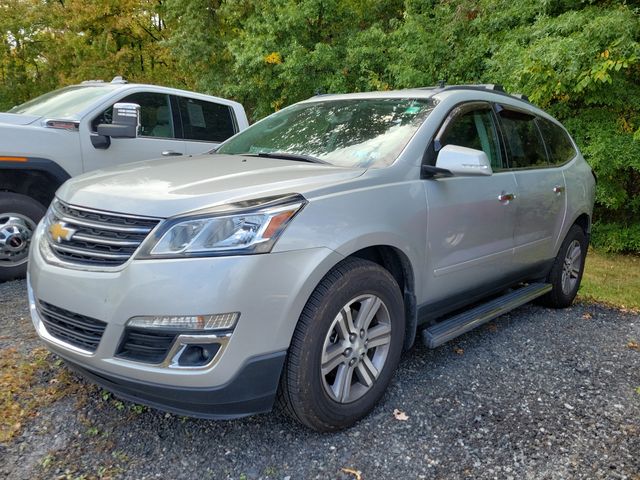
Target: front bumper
pixel 268 290
pixel 252 391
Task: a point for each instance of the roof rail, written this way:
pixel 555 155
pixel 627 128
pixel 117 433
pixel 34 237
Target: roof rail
pixel 493 87
pixel 88 82
pixel 118 79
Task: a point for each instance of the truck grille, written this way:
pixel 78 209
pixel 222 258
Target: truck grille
pixel 96 238
pixel 78 330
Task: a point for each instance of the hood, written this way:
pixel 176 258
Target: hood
pixel 17 119
pixel 173 186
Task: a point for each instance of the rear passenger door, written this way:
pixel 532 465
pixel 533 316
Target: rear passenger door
pixel 541 200
pixel 205 124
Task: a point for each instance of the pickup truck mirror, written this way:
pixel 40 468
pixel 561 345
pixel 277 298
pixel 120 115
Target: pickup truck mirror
pixel 463 161
pixel 125 124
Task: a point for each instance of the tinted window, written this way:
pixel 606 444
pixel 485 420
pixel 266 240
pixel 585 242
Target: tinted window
pixel 523 140
pixel 361 132
pixel 207 121
pixel 475 129
pixel 557 140
pixel 155 115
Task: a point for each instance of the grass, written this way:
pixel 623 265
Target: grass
pixel 613 279
pixel 27 384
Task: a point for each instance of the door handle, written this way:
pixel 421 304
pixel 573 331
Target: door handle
pixel 558 189
pixel 506 197
pixel 171 153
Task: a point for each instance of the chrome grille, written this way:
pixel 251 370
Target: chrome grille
pixel 99 238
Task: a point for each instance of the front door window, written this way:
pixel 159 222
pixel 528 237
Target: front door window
pixel 156 119
pixel 475 129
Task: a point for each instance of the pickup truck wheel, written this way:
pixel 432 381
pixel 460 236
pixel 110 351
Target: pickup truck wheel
pixel 345 348
pixel 19 216
pixel 567 269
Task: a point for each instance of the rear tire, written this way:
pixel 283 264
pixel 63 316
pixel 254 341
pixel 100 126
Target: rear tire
pixel 566 272
pixel 19 216
pixel 345 348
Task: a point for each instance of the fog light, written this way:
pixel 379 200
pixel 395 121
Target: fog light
pixel 198 355
pixel 219 321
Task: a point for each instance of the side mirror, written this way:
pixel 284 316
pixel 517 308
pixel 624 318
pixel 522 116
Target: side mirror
pixel 126 122
pixel 463 161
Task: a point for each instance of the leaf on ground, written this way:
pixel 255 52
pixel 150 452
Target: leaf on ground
pixel 357 474
pixel 587 316
pixel 458 350
pixel 635 311
pixel 633 345
pixel 400 415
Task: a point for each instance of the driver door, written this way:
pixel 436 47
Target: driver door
pixel 469 228
pixel 160 133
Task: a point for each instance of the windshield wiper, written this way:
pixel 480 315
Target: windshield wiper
pixel 293 156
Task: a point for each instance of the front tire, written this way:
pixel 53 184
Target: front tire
pixel 345 348
pixel 566 272
pixel 19 216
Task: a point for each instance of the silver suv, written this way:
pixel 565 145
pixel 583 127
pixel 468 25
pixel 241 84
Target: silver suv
pixel 300 258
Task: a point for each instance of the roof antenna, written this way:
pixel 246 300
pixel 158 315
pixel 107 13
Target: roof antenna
pixel 440 83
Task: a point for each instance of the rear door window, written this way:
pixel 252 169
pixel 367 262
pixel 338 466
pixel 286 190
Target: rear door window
pixel 522 138
pixel 559 146
pixel 206 121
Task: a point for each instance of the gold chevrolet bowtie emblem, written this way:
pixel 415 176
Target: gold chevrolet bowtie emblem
pixel 59 231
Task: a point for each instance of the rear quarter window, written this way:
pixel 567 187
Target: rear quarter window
pixel 206 121
pixel 559 145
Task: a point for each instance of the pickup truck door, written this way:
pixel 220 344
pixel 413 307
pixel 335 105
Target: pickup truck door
pixel 470 220
pixel 159 136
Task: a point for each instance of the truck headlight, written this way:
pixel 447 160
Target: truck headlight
pixel 242 228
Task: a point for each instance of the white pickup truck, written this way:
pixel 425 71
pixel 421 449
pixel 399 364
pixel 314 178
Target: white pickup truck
pixel 63 133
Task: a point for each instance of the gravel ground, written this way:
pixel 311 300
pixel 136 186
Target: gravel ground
pixel 536 394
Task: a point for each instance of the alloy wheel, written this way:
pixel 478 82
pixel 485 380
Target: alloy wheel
pixel 356 348
pixel 571 267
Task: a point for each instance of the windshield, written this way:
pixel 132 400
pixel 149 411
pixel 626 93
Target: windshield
pixel 350 133
pixel 64 103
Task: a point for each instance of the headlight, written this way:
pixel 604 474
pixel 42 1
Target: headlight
pixel 242 228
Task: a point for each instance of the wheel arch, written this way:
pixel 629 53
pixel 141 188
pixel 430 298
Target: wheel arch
pixel 396 262
pixel 583 221
pixel 37 178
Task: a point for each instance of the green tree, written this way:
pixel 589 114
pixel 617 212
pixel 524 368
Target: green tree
pixel 271 53
pixel 578 59
pixel 46 44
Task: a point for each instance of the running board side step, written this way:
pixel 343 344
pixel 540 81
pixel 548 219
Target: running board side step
pixel 452 327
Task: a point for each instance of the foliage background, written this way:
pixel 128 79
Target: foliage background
pixel 579 59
